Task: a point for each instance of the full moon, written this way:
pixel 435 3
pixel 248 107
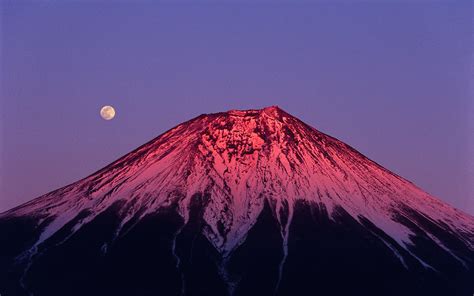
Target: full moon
pixel 107 112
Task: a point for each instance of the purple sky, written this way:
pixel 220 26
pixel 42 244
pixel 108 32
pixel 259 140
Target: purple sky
pixel 391 80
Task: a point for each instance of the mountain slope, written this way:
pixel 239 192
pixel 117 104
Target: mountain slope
pixel 249 202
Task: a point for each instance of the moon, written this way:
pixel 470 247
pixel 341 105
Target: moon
pixel 107 112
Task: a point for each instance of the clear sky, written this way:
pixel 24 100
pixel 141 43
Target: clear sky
pixel 390 78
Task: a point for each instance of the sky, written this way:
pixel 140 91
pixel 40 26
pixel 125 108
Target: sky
pixel 390 78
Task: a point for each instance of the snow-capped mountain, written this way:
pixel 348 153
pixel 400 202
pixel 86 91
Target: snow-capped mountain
pixel 251 202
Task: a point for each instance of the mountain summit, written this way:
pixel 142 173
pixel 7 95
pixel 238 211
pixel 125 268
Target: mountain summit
pixel 252 202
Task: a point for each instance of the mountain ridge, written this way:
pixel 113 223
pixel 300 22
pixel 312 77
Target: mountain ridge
pixel 218 176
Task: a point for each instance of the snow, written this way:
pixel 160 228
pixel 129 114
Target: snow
pixel 242 158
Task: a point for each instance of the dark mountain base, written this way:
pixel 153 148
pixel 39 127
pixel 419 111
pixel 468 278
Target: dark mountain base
pixel 159 255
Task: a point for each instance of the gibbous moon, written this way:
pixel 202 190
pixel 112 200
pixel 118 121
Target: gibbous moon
pixel 107 112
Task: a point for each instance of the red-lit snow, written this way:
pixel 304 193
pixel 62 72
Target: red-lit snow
pixel 241 158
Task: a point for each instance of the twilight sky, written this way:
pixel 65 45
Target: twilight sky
pixel 390 79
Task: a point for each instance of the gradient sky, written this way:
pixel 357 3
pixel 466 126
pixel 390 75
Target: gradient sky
pixel 391 79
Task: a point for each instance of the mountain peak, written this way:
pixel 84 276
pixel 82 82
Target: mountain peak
pixel 239 156
pixel 222 175
pixel 270 111
pixel 273 110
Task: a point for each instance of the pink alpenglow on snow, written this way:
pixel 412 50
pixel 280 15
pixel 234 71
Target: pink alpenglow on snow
pixel 230 173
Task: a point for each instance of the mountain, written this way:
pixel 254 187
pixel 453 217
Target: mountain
pixel 251 202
